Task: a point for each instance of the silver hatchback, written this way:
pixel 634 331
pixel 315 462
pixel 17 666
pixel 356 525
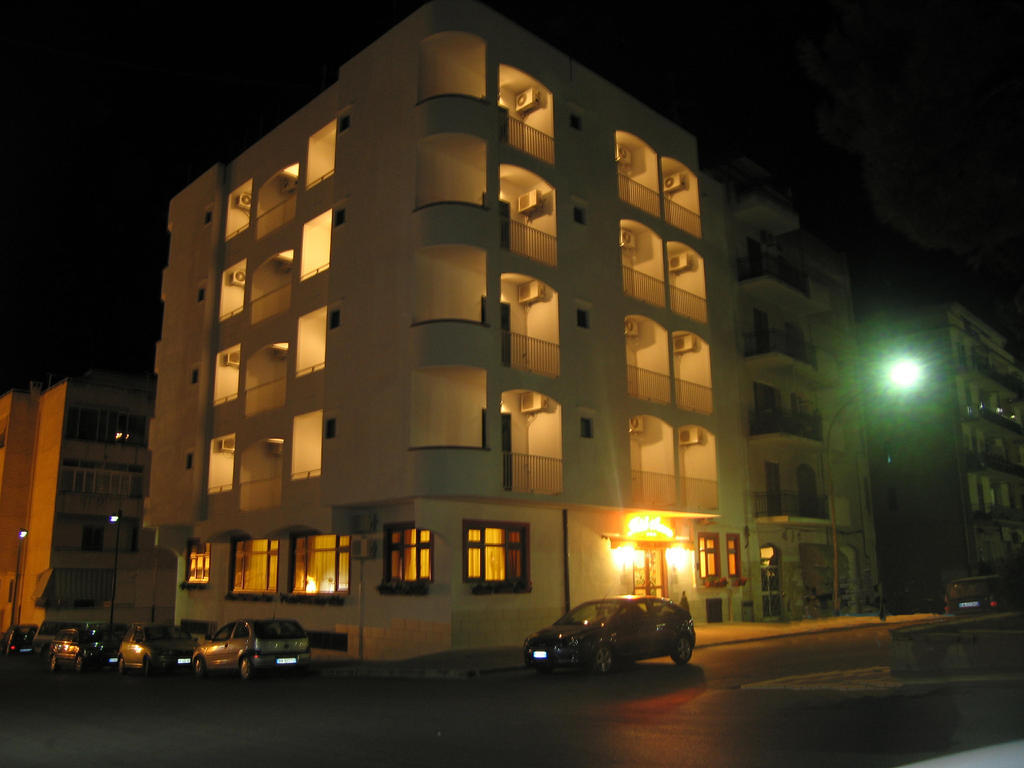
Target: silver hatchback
pixel 250 645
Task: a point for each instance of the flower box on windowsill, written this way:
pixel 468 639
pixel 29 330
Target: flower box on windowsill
pixel 397 587
pixel 252 597
pixel 739 581
pixel 313 599
pixel 517 586
pixel 187 586
pixel 716 582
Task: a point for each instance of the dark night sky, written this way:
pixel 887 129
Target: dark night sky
pixel 108 116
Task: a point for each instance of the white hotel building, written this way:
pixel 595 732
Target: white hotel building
pixel 462 342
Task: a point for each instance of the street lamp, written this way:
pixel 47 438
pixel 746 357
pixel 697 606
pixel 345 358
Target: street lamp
pixel 903 374
pixel 116 521
pixel 16 613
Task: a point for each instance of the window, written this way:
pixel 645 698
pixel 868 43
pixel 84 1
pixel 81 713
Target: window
pixel 495 551
pixel 255 566
pixel 200 294
pixel 330 429
pixel 195 375
pixel 732 553
pixel 335 319
pixel 583 318
pixel 575 121
pixel 107 478
pixel 198 562
pixel 105 426
pixel 92 538
pixel 409 554
pixel 339 217
pixel 579 215
pixel 320 564
pixel 188 461
pixel 586 427
pixel 207 216
pixel 707 549
pixel 344 123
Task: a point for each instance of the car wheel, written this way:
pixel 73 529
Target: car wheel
pixel 122 668
pixel 147 668
pixel 601 660
pixel 246 669
pixel 79 663
pixel 199 666
pixel 682 650
pixel 52 662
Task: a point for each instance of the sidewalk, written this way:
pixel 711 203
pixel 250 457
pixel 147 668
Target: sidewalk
pixel 481 661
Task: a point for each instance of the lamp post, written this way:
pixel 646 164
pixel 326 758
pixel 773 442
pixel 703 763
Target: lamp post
pixel 903 375
pixel 116 520
pixel 16 612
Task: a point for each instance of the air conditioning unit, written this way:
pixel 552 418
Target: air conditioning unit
pixel 626 238
pixel 363 548
pixel 275 446
pixel 224 444
pixel 531 402
pixel 622 154
pixel 236 277
pixel 530 202
pixel 676 182
pixel 632 327
pixel 685 342
pixel 528 100
pixel 691 436
pixel 289 184
pixel 279 349
pixel 636 425
pixel 532 290
pixel 244 201
pixel 283 260
pixel 682 262
pixel 232 357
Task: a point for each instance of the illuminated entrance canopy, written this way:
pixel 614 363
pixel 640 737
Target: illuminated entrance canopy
pixel 643 526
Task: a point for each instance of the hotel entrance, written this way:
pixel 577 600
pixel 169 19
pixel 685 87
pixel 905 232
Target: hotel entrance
pixel 649 576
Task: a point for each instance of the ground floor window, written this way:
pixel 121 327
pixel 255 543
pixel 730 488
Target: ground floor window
pixel 707 551
pixel 320 564
pixel 198 562
pixel 495 551
pixel 732 553
pixel 255 566
pixel 408 553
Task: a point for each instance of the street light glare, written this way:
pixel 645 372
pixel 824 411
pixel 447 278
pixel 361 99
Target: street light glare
pixel 905 373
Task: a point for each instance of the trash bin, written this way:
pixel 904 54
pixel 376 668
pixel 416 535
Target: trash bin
pixel 714 610
pixel 748 610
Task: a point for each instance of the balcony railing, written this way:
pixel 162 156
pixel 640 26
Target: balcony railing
pixel 693 397
pixel 644 287
pixel 280 214
pixel 526 353
pixel 774 340
pixel 790 504
pixel 525 137
pixel 529 242
pixel 264 397
pixel 775 421
pixel 988 460
pixel 688 304
pixel 260 494
pixel 653 488
pixel 269 304
pixel 994 416
pixel 639 196
pixel 681 217
pixel 1008 380
pixel 699 493
pixel 526 473
pixel 774 265
pixel 648 385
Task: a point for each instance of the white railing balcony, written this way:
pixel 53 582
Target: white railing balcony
pixel 526 473
pixel 528 139
pixel 688 304
pixel 526 241
pixel 639 196
pixel 526 353
pixel 265 397
pixel 260 494
pixel 693 397
pixel 682 218
pixel 699 493
pixel 269 304
pixel 653 488
pixel 644 287
pixel 648 385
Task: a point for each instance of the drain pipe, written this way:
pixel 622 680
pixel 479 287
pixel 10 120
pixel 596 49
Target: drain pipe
pixel 565 557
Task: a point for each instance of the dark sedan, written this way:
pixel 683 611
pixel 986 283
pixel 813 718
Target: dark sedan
pixel 151 648
pixel 82 649
pixel 598 634
pixel 18 639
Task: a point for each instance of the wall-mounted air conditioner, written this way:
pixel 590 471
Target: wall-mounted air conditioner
pixel 691 436
pixel 685 342
pixel 676 182
pixel 626 238
pixel 244 201
pixel 279 349
pixel 224 444
pixel 289 184
pixel 622 154
pixel 283 260
pixel 636 425
pixel 530 202
pixel 275 445
pixel 532 290
pixel 531 402
pixel 682 262
pixel 632 327
pixel 232 357
pixel 529 100
pixel 236 277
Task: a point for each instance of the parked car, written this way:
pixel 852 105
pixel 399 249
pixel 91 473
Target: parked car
pixel 597 634
pixel 83 648
pixel 976 594
pixel 249 645
pixel 18 639
pixel 48 631
pixel 155 648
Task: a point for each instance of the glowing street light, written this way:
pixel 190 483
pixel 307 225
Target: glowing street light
pixel 904 374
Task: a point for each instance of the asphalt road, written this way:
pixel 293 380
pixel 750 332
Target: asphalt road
pixel 651 714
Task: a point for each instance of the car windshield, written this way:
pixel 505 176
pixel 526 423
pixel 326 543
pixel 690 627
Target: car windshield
pixel 167 633
pixel 278 628
pixel 96 635
pixel 590 613
pixel 972 588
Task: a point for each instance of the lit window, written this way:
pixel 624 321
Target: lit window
pixel 316 246
pixel 707 548
pixel 409 553
pixel 255 566
pixel 320 156
pixel 320 564
pixel 198 562
pixel 732 553
pixel 495 552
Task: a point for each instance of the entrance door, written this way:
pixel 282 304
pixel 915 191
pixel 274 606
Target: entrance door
pixel 649 573
pixel 771 593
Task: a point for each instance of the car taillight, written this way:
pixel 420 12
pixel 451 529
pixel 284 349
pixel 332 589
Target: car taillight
pixel 993 603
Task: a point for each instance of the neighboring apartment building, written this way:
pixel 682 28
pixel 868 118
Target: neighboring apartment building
pixel 947 457
pixel 71 456
pixel 442 358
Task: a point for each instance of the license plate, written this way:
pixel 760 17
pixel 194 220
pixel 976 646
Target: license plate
pixel 287 660
pixel 969 604
pixel 112 661
pixel 24 650
pixel 540 654
pixel 184 661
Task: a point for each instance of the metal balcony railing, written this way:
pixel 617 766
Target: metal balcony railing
pixel 264 397
pixel 639 196
pixel 790 504
pixel 988 460
pixel 775 340
pixel 653 488
pixel 526 241
pixel 644 287
pixel 693 397
pixel 681 217
pixel 786 422
pixel 699 493
pixel 526 353
pixel 688 304
pixel 525 137
pixel 994 416
pixel 774 265
pixel 648 385
pixel 526 473
pixel 269 304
